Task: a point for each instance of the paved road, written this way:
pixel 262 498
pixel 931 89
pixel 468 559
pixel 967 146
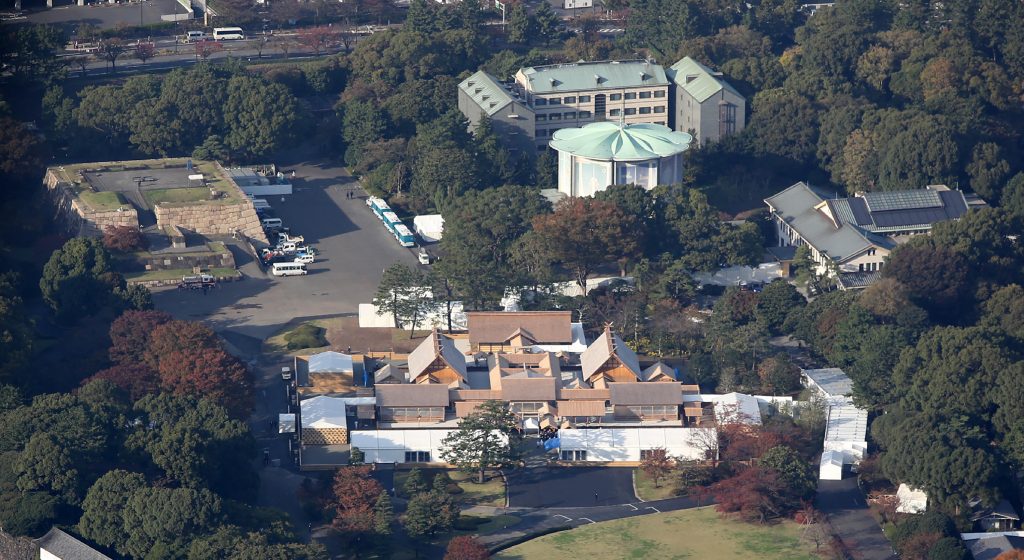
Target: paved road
pixel 844 504
pixel 106 16
pixel 564 487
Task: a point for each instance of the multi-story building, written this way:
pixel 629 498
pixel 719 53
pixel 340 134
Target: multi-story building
pixel 703 103
pixel 482 95
pixel 850 238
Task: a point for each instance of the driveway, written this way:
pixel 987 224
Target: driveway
pixel 107 16
pixel 844 504
pixel 570 487
pixel 354 251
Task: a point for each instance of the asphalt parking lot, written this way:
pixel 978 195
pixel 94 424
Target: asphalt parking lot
pixel 354 251
pixel 570 487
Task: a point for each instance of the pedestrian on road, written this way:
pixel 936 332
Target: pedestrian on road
pixel 595 497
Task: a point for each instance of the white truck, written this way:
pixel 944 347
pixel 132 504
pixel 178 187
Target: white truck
pixel 286 373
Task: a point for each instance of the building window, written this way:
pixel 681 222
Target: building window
pixel 554 100
pixel 871 252
pixel 659 109
pixel 659 93
pixel 726 119
pixel 645 110
pixel 540 101
pixel 569 100
pixel 417 456
pixel 585 114
pixel 614 112
pixel 630 95
pixel 650 453
pixel 574 455
pixel 527 409
pixel 645 94
pixel 630 110
pixel 615 97
pixel 569 115
pixel 554 117
pixel 584 99
pixel 542 118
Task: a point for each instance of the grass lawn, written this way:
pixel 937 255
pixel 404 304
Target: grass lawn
pixel 695 533
pixel 646 490
pixel 102 201
pixel 175 274
pixel 191 194
pixel 279 344
pixel 490 493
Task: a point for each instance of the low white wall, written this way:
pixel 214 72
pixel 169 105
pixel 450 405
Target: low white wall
pixel 389 446
pixel 625 444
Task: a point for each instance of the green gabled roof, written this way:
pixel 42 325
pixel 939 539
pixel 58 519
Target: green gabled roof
pixel 706 83
pixel 582 76
pixel 486 91
pixel 611 141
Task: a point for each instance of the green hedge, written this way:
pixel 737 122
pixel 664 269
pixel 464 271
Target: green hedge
pixel 306 336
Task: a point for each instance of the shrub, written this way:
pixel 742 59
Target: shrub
pixel 469 522
pixel 306 336
pixel 123 238
pixel 454 489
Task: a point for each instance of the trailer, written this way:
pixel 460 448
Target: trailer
pixel 390 220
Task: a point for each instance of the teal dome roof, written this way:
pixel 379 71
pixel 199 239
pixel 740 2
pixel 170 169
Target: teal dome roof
pixel 615 142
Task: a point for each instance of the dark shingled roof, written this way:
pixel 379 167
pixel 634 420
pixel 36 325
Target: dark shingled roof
pixel 543 327
pixel 423 394
pixel 645 393
pixel 67 547
pixel 989 548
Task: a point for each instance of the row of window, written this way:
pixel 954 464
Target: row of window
pixel 634 110
pixel 567 116
pixel 417 456
pixel 869 267
pixel 539 101
pixel 581 454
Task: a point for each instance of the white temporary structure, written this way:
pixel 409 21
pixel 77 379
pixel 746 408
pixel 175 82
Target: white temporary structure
pixel 830 382
pixel 323 412
pixel 831 467
pixel 625 444
pixel 846 431
pixel 430 227
pixel 330 362
pixel 400 446
pixel 286 423
pixel 911 500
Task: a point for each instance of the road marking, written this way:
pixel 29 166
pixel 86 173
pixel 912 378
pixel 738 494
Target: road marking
pixel 632 506
pixel 654 508
pixel 562 516
pixel 586 519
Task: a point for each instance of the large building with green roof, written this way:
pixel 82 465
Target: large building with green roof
pixel 704 103
pixel 601 154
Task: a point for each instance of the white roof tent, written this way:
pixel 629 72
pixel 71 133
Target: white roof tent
pixel 832 382
pixel 846 431
pixel 430 227
pixel 330 362
pixel 286 423
pixel 831 467
pixel 323 412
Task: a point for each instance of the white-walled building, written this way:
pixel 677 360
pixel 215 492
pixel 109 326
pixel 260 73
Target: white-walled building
pixel 58 545
pixel 704 103
pixel 401 446
pixel 612 444
pixel 592 158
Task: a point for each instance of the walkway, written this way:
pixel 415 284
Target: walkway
pixel 847 510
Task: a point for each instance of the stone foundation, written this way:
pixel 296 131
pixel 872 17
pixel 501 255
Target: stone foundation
pixel 212 219
pixel 76 217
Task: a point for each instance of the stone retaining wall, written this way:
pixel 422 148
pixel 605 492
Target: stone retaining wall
pixel 77 218
pixel 167 261
pixel 212 219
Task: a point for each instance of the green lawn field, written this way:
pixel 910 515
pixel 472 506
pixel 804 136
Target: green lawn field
pixel 696 533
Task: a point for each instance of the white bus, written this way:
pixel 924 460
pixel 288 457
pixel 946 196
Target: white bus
pixel 228 33
pixel 289 269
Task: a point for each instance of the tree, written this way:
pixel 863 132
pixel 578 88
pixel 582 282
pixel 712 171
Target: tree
pixel 414 483
pixel 383 515
pixel 30 53
pixel 208 373
pixel 167 519
pixel 259 117
pixel 123 238
pixel 145 51
pixel 318 39
pixel 429 513
pixel 110 50
pixel 755 494
pixel 793 471
pixel 77 280
pixel 779 375
pixel 657 465
pixel 356 456
pixel 777 302
pixel 45 466
pixel 206 49
pixel 936 278
pixel 784 124
pixel 15 331
pixel 22 151
pixel 170 337
pixel 130 335
pixel 466 548
pixel 138 380
pixel 583 233
pixel 356 496
pixel 404 292
pixel 104 503
pixel 520 25
pixel 362 124
pixel 486 438
pixel 924 153
pixel 988 170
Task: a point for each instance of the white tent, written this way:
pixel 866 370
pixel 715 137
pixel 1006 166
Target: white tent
pixel 330 362
pixel 286 423
pixel 323 412
pixel 911 500
pixel 430 227
pixel 831 467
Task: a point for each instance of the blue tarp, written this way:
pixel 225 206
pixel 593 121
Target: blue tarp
pixel 553 443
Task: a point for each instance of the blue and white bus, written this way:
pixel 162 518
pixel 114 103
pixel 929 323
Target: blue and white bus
pixel 390 219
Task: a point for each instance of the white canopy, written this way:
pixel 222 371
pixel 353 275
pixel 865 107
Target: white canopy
pixel 332 362
pixel 323 412
pixel 286 423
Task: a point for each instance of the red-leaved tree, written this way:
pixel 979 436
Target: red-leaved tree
pixel 123 238
pixel 138 380
pixel 208 373
pixel 130 333
pixel 318 39
pixel 755 494
pixel 178 336
pixel 355 495
pixel 466 548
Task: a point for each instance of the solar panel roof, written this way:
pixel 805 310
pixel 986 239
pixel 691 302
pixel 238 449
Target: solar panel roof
pixel 902 200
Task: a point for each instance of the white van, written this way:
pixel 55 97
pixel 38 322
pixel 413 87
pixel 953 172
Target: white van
pixel 272 223
pixel 260 203
pixel 289 269
pixel 228 33
pixel 194 36
pixel 305 259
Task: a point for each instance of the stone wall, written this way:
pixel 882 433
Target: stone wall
pixel 76 217
pixel 213 219
pixel 166 261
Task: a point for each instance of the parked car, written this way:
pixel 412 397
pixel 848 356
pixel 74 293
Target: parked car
pixel 286 373
pixel 307 249
pixel 285 237
pixel 424 257
pixel 305 259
